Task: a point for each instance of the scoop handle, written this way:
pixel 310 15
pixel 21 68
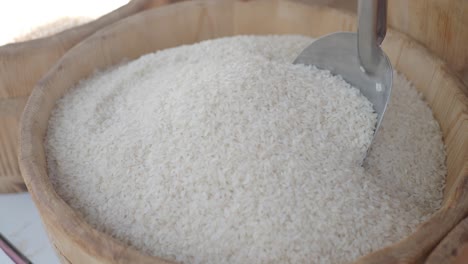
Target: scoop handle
pixel 372 27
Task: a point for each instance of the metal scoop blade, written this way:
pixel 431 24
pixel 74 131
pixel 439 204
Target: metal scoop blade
pixel 357 57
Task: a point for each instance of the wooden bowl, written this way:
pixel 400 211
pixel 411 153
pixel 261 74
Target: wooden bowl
pixel 189 22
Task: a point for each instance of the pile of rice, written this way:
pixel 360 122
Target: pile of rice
pixel 226 152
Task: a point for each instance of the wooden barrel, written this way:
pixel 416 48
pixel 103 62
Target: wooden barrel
pixel 190 22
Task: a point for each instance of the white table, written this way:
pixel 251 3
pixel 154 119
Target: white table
pixel 21 225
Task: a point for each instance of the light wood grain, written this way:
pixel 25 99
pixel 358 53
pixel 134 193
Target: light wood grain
pixel 441 25
pixel 454 248
pixel 23 64
pixel 10 176
pixel 193 21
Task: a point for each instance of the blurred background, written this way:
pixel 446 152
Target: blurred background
pixel 24 19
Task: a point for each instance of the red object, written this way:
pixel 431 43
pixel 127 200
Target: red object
pixel 12 252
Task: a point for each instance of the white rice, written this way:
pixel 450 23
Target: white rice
pixel 226 152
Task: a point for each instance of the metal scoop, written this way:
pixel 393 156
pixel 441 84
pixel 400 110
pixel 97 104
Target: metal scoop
pixel 358 58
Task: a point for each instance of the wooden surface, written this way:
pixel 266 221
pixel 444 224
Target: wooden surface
pixel 10 176
pixel 10 113
pixel 23 64
pixel 454 248
pixel 441 25
pixel 191 22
